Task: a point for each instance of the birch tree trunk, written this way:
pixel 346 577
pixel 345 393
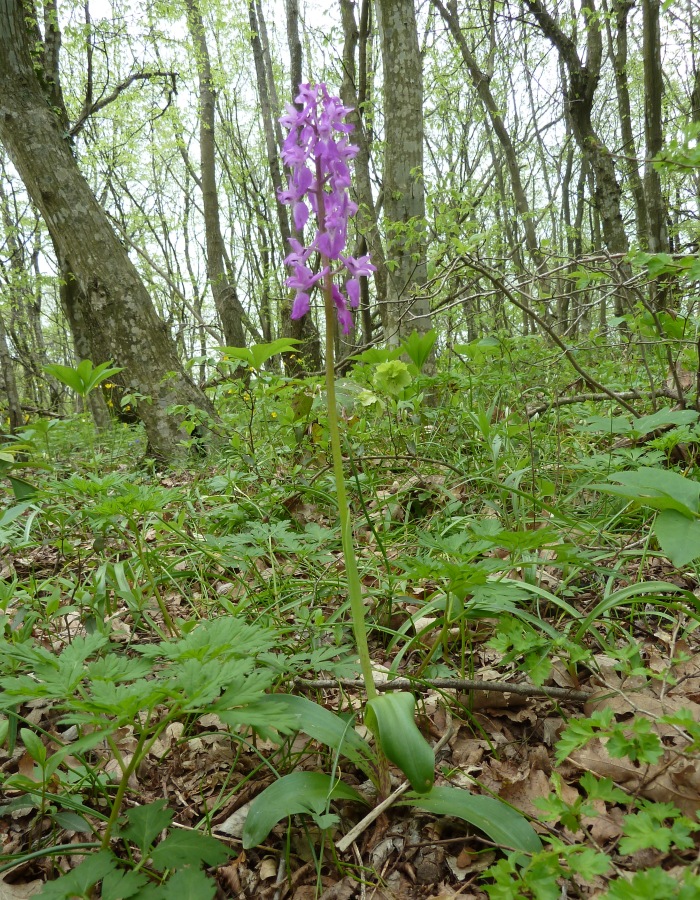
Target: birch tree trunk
pixel 111 293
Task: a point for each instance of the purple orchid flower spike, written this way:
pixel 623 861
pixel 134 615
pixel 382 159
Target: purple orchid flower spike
pixel 318 153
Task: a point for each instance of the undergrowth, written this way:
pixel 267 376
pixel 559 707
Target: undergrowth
pixel 146 617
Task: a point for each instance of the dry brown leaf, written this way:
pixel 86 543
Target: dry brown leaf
pixel 19 891
pixel 267 869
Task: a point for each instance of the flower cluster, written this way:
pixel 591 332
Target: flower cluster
pixel 317 151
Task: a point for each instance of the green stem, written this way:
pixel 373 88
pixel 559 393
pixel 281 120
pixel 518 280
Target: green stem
pixel 357 606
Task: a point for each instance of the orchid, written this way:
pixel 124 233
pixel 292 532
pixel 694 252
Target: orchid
pixel 317 152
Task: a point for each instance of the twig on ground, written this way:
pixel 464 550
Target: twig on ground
pixel 457 684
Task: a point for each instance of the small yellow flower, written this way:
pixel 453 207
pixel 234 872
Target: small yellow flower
pixel 274 415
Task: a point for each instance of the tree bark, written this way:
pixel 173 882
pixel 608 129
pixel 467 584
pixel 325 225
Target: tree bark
pixel 404 196
pixel 653 127
pixel 621 9
pixel 353 92
pixel 481 82
pixel 111 292
pixel 14 407
pixel 228 306
pixel 579 95
pixel 308 356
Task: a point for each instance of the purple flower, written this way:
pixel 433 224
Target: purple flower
pixel 318 153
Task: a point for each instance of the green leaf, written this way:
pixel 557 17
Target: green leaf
pixel 663 417
pixel 257 355
pixel 22 489
pixel 299 792
pixel 146 823
pixel 392 377
pixel 82 879
pixel 33 744
pixel 326 727
pixel 72 822
pixel 120 885
pixel 678 536
pixel 189 848
pixel 189 884
pixel 84 377
pixel 391 718
pixel 505 826
pixel 657 488
pixel 418 347
pixel 66 375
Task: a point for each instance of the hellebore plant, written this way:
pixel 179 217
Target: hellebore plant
pixel 318 152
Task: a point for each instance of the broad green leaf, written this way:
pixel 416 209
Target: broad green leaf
pixel 325 727
pixel 146 823
pixel 84 377
pixel 376 355
pixel 22 489
pixel 299 792
pixel 66 375
pixel 82 879
pixel 391 718
pixel 9 515
pixel 656 488
pixel 189 848
pixel 663 417
pixel 262 352
pixel 34 745
pixel 257 355
pixel 678 536
pixel 72 822
pixel 500 822
pixel 418 347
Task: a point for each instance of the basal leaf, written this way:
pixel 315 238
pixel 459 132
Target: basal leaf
pixel 391 718
pixel 498 821
pixel 678 536
pixel 326 727
pixel 418 347
pixel 299 792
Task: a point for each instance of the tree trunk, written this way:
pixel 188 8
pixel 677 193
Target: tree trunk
pixel 481 82
pixel 228 306
pixel 308 356
pixel 111 292
pixel 14 407
pixel 404 195
pixel 653 127
pixel 583 81
pixel 621 9
pixel 353 92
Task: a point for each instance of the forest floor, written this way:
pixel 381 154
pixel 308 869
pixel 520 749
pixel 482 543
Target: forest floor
pixel 582 732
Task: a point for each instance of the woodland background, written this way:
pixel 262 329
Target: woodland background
pixel 523 168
